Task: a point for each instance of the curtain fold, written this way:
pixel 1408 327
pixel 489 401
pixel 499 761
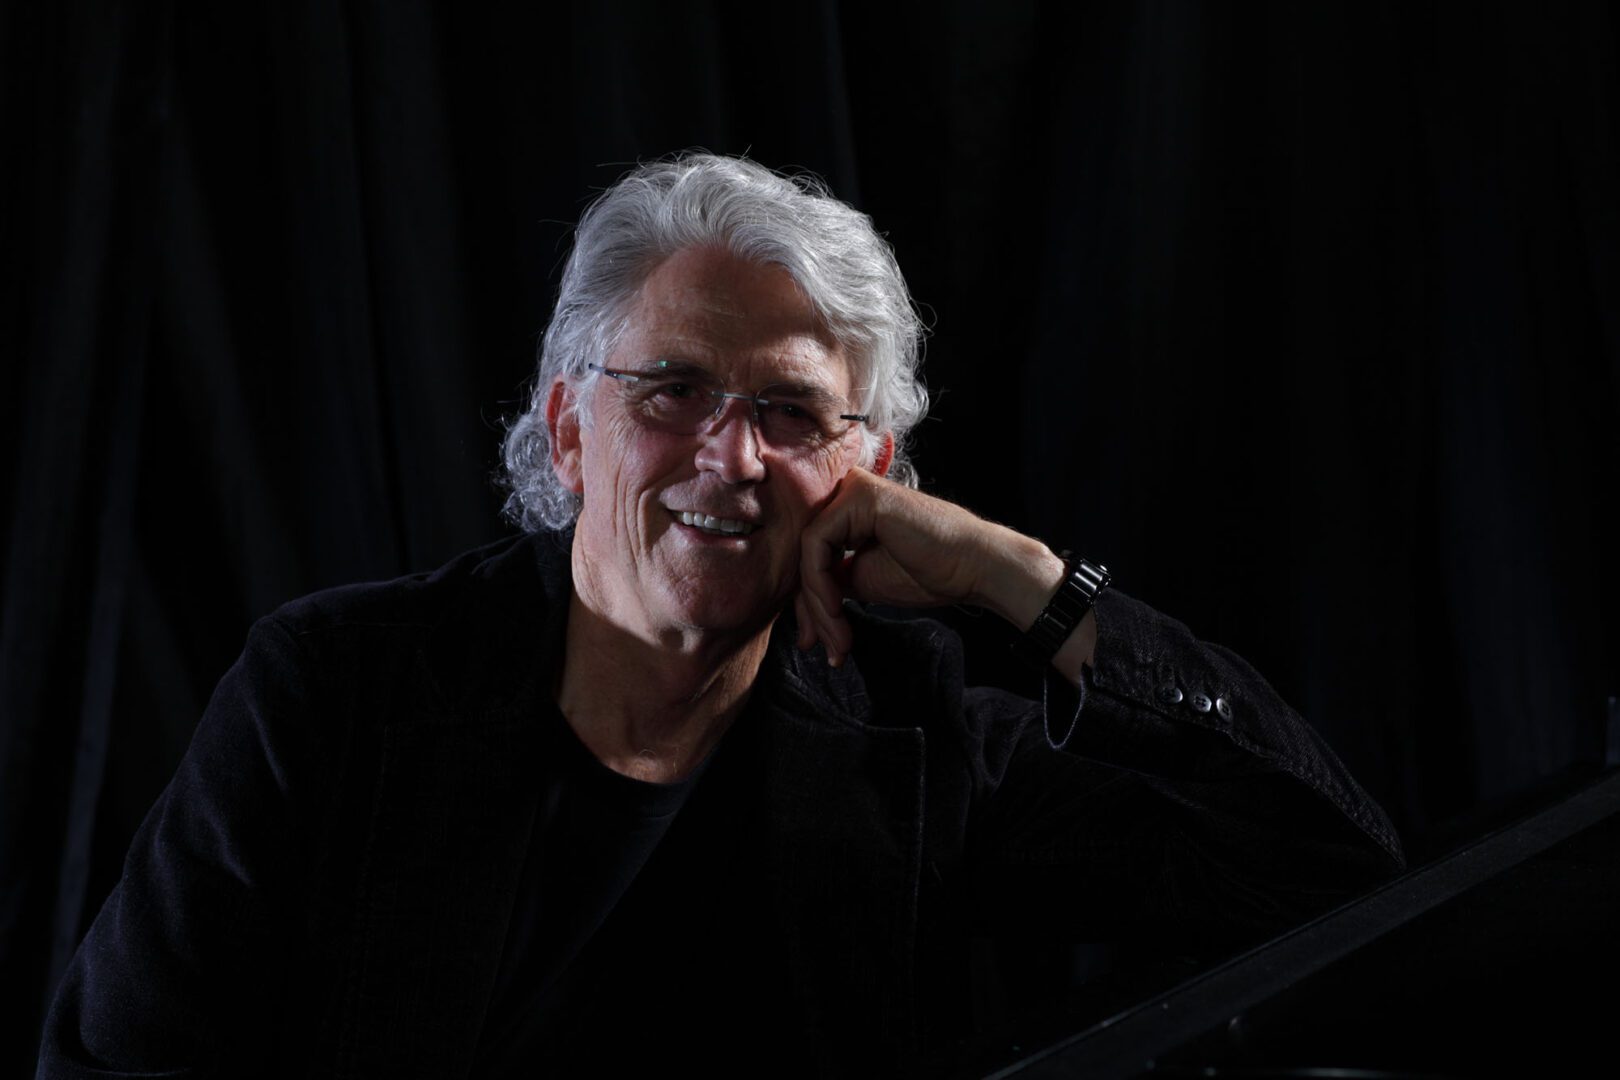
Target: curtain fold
pixel 1299 317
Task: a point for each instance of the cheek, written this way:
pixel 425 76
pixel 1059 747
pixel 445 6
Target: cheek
pixel 818 478
pixel 632 465
pixel 836 464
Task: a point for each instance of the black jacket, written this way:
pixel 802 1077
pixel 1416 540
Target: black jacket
pixel 327 880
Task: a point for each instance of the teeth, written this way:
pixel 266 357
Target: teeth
pixel 710 523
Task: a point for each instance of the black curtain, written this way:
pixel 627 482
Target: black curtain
pixel 1301 316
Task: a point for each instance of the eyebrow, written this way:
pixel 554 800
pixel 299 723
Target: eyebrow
pixel 665 366
pixel 674 366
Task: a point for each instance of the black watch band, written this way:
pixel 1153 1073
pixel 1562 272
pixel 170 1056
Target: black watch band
pixel 1064 611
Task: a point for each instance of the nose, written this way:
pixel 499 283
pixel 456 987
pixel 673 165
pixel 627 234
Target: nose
pixel 730 448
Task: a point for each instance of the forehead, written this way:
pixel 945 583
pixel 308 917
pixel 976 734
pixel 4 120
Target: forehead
pixel 747 322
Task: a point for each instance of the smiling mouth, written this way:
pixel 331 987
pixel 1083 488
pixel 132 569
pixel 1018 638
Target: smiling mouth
pixel 711 524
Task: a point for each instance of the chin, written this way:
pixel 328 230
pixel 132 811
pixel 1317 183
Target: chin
pixel 718 614
pixel 732 622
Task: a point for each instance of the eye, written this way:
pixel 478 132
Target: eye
pixel 794 422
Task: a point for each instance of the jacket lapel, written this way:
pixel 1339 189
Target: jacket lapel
pixel 846 817
pixel 455 807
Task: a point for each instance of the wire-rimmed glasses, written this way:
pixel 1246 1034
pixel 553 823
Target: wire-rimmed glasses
pixel 682 398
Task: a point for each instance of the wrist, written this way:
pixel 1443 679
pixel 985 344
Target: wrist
pixel 1064 633
pixel 1020 582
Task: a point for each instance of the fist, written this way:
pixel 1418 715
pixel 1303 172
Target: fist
pixel 879 542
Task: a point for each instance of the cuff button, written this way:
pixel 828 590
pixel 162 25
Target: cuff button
pixel 1201 702
pixel 1170 694
pixel 1223 707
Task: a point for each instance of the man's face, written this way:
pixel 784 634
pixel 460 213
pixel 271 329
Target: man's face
pixel 635 560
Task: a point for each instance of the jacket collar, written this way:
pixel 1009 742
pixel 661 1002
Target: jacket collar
pixel 496 649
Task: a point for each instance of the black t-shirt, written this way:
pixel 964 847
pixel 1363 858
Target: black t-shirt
pixel 643 931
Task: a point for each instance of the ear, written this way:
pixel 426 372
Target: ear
pixel 562 421
pixel 885 455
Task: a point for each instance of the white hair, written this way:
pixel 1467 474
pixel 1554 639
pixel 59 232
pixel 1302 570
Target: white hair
pixel 697 200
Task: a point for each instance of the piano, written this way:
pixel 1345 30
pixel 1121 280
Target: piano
pixel 1499 959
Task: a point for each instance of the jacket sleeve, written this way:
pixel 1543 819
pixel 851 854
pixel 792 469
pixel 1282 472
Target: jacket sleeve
pixel 1174 795
pixel 184 962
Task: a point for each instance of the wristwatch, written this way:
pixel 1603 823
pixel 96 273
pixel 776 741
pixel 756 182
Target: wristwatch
pixel 1052 627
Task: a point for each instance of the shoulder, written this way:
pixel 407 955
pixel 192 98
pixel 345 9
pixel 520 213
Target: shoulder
pixel 910 641
pixel 472 624
pixel 422 600
pixel 914 672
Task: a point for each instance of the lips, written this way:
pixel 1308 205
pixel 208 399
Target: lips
pixel 711 524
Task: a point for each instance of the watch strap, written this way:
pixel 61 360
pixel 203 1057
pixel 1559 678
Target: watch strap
pixel 1082 582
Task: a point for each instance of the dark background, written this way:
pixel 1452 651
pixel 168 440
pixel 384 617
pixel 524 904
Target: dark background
pixel 1300 316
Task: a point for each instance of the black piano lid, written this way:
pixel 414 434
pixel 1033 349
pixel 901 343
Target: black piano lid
pixel 1499 958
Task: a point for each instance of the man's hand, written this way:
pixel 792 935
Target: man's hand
pixel 913 550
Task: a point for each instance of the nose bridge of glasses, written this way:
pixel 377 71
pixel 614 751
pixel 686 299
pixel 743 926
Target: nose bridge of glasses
pixel 715 421
pixel 722 396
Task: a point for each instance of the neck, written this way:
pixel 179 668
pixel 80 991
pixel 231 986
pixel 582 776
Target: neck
pixel 653 710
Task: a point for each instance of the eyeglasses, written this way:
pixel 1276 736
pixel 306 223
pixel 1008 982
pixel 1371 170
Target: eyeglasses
pixel 681 399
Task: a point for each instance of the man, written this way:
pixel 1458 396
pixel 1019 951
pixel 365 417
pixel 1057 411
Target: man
pixel 640 788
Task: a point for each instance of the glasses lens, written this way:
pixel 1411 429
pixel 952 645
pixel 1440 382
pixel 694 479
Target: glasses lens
pixel 674 402
pixel 790 418
pixel 793 418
